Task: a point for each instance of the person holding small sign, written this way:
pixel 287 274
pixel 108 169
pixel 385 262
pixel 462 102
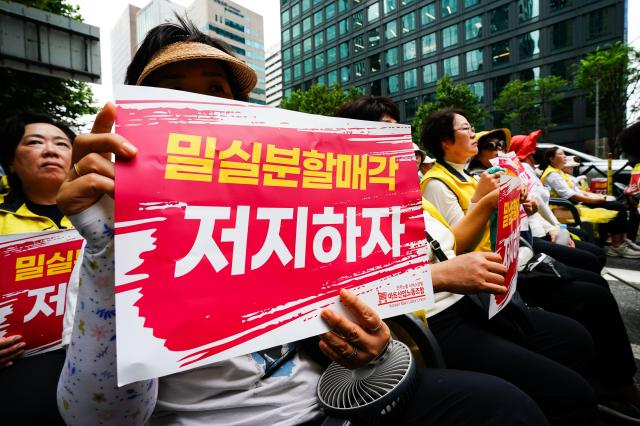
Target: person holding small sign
pixel 269 387
pixel 35 150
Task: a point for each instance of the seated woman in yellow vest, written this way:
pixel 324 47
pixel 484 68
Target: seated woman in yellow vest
pixel 35 152
pixel 593 207
pixel 630 142
pixel 450 138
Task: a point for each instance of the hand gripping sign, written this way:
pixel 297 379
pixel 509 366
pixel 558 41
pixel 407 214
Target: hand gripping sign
pixel 34 271
pixel 508 230
pixel 237 223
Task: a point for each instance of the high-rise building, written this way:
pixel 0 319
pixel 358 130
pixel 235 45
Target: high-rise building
pixel 241 28
pixel 124 43
pixel 400 48
pixel 155 13
pixel 273 76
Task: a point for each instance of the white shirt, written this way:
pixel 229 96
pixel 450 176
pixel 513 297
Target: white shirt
pixel 443 199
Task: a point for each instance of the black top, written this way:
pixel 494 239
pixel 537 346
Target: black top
pixel 51 211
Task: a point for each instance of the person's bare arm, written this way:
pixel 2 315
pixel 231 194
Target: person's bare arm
pixel 469 274
pixel 470 229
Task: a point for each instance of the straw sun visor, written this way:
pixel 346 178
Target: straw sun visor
pixel 243 75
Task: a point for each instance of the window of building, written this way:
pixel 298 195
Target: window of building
pixel 317 18
pixel 529 44
pixel 428 14
pixel 321 80
pixel 429 44
pixel 319 59
pixel 373 12
pixel 306 5
pixel 562 112
pixel 343 26
pixel 410 79
pixel 358 20
pixel 374 63
pixel 286 36
pixel 389 6
pixel 376 88
pixel 342 5
pixel 451 66
pixel 318 39
pixel 358 45
pixel 297 71
pixel 498 84
pixel 409 51
pixel 599 22
pixel 343 48
pixel 330 11
pixel 308 66
pixel 473 28
pixel 345 74
pixel 359 69
pixel 297 50
pixel 331 55
pixel 500 53
pixel 474 59
pixel 331 33
pixel 448 7
pixel 373 38
pixel 390 30
pixel 499 19
pixel 529 74
pixel 362 90
pixel 295 11
pixel 332 78
pixel 295 31
pixel 556 5
pixel 430 73
pixel 307 46
pixel 563 68
pixel 287 93
pixel 408 22
pixel 393 84
pixel 391 57
pixel 470 3
pixel 477 89
pixel 406 2
pixel 410 107
pixel 562 34
pixel 306 24
pixel 285 17
pixel 450 36
pixel 286 55
pixel 286 75
pixel 528 9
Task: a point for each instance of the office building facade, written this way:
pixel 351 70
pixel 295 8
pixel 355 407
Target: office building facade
pixel 401 48
pixel 273 75
pixel 241 28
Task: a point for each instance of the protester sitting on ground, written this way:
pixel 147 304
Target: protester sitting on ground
pixel 35 150
pixel 544 225
pixel 561 186
pixel 232 391
pixel 579 294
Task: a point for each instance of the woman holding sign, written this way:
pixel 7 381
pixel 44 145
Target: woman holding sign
pixel 35 151
pixel 241 390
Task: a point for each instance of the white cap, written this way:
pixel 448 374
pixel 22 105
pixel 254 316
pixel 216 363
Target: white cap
pixel 416 148
pixel 571 161
pixel 428 160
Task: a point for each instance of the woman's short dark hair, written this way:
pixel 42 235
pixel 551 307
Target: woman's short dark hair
pixel 12 132
pixel 549 153
pixel 437 128
pixel 173 32
pixel 371 108
pixel 630 141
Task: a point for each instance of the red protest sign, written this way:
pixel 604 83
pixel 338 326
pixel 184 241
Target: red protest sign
pixel 249 221
pixel 34 271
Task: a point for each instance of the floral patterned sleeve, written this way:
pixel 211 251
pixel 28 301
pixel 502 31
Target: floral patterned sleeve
pixel 88 392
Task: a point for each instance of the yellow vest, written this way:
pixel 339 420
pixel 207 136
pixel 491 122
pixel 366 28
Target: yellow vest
pixel 562 174
pixel 463 191
pixel 15 217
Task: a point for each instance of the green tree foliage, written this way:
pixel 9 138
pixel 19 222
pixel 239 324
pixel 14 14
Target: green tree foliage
pixel 319 99
pixel 525 105
pixel 450 95
pixel 617 71
pixel 64 99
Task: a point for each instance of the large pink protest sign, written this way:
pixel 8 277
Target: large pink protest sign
pixel 508 230
pixel 34 272
pixel 237 223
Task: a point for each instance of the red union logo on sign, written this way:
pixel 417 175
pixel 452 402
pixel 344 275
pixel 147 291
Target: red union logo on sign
pixel 249 221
